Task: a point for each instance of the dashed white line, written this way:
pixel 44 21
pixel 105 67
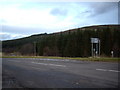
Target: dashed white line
pixel 49 64
pixel 101 69
pixel 113 70
pixel 13 61
pixel 35 67
pixel 107 70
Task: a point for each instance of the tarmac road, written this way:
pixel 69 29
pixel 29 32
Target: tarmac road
pixel 59 73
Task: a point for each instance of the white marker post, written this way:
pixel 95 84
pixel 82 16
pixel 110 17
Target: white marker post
pixel 34 48
pixel 112 53
pixel 99 47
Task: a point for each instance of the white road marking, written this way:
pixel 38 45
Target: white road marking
pixel 50 64
pixel 107 70
pixel 13 61
pixel 35 68
pixel 101 69
pixel 113 70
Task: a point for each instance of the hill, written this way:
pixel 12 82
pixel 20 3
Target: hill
pixel 69 43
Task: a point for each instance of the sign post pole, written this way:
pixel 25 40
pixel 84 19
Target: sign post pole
pixel 99 47
pixel 92 50
pixel 96 50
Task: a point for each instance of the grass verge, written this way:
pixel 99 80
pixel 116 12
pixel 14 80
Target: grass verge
pixel 104 59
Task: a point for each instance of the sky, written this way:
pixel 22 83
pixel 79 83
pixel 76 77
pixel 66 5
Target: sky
pixel 21 18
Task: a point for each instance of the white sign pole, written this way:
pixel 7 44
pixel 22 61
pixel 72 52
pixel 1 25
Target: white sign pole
pixel 92 50
pixel 99 47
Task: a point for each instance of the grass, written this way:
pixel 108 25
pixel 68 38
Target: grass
pixel 104 59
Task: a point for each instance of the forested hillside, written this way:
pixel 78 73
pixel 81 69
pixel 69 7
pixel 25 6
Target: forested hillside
pixel 70 43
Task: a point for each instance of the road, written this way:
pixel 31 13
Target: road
pixel 0 73
pixel 59 73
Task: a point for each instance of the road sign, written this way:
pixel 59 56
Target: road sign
pixel 95 48
pixel 94 40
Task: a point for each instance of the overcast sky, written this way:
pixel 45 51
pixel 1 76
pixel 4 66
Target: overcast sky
pixel 22 18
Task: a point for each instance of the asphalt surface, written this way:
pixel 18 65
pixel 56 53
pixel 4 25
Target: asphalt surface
pixel 59 73
pixel 0 73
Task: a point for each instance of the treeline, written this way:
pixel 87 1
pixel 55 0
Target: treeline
pixel 23 46
pixel 71 43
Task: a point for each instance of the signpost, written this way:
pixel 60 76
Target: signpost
pixel 94 40
pixel 95 49
pixel 34 48
pixel 112 53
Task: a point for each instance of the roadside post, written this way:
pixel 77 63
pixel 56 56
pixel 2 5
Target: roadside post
pixel 34 48
pixel 112 53
pixel 95 47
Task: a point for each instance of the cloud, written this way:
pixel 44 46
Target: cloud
pixel 102 7
pixel 27 17
pixel 4 36
pixel 9 36
pixel 59 11
pixel 119 13
pixel 22 30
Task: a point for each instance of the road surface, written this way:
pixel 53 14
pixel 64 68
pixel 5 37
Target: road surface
pixel 0 73
pixel 59 73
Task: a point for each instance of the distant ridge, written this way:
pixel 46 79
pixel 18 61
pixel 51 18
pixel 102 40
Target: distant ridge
pixel 81 28
pixel 93 26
